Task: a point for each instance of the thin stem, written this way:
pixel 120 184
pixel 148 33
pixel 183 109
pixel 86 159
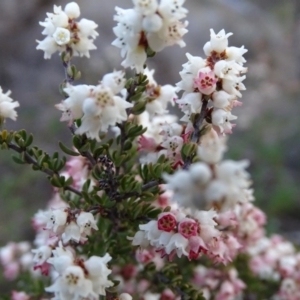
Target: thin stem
pixel 198 122
pixel 197 132
pixel 32 161
pixel 130 93
pixel 86 154
pixel 67 65
pixel 145 187
pixel 150 185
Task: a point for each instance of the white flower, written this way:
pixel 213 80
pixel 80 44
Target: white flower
pixel 146 7
pixel 222 118
pixel 41 254
pixel 173 145
pixel 62 258
pixel 62 36
pixel 236 54
pixel 98 272
pixel 218 42
pixel 125 296
pixel 212 147
pixel 234 86
pixel 86 222
pixel 189 72
pixel 190 103
pixel 57 219
pixel 178 243
pixel 152 23
pixel 228 69
pixel 7 106
pixel 98 106
pixel 135 59
pixel 221 99
pixel 115 81
pixel 98 117
pixel 72 10
pixel 200 174
pixel 72 106
pixel 233 172
pixel 180 182
pixel 72 285
pixel 71 232
pixel 140 239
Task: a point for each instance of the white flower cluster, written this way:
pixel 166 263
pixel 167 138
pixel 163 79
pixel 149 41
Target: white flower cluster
pixel 217 78
pixel 221 187
pixel 7 106
pixel 191 235
pixel 76 227
pixel 98 106
pixel 79 278
pixel 62 32
pixel 149 24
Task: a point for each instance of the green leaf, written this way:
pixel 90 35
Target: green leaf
pixel 18 160
pixel 56 181
pixel 29 140
pixel 67 150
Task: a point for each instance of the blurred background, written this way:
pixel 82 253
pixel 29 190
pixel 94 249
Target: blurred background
pixel 268 130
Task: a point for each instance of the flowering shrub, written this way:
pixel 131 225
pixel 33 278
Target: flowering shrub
pixel 145 207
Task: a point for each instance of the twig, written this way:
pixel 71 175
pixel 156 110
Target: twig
pixel 67 65
pixel 196 133
pixel 198 122
pixel 86 154
pixel 32 161
pixel 150 185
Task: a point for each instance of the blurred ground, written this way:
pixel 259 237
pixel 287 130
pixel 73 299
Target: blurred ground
pixel 268 131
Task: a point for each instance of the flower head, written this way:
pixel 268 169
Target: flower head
pixel 64 32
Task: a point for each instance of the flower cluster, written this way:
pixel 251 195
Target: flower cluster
pixel 217 284
pixel 7 106
pixel 202 186
pixel 69 225
pixel 64 32
pixel 217 78
pixel 175 233
pixel 78 169
pixel 148 25
pixel 276 259
pixel 98 106
pixel 79 278
pixel 15 295
pixel 15 257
